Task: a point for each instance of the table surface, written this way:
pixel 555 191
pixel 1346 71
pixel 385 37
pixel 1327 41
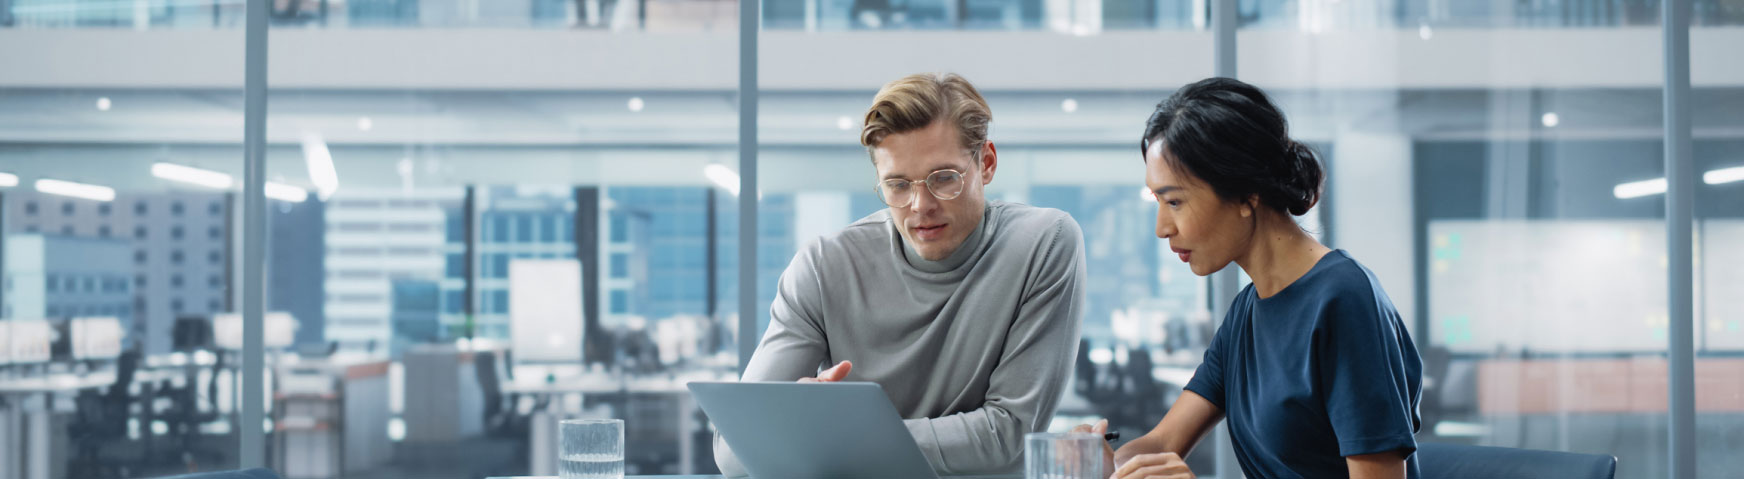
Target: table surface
pixel 56 383
pixel 1003 476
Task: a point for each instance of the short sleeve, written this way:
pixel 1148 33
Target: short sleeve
pixel 1207 380
pixel 1370 374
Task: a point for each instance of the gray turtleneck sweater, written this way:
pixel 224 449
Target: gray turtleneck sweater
pixel 974 350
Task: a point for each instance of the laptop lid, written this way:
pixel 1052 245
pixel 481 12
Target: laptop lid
pixel 812 430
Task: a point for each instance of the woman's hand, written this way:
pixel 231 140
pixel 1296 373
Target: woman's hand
pixel 1099 429
pixel 1162 465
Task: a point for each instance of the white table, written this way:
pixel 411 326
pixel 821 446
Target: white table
pixel 999 476
pixel 543 435
pixel 32 460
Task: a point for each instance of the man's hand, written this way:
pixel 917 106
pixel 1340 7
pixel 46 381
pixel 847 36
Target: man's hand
pixel 833 374
pixel 1099 429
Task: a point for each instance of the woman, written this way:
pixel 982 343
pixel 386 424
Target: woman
pixel 1312 367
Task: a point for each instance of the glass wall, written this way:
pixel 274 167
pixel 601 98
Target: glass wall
pixel 1719 220
pixel 487 216
pixel 1066 139
pixel 485 251
pixel 117 228
pixel 1510 201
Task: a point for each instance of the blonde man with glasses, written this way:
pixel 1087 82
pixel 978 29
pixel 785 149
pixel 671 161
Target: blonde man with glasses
pixel 966 311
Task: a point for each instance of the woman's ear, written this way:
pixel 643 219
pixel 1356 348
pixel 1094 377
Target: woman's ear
pixel 1248 207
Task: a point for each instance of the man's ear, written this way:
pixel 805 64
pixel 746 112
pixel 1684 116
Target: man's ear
pixel 989 162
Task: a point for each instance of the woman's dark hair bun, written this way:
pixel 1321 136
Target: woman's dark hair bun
pixel 1229 134
pixel 1302 180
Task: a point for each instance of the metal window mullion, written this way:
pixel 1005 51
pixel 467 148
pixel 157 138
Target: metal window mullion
pixel 254 239
pixel 1224 284
pixel 1679 221
pixel 749 26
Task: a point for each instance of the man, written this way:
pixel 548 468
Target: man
pixel 965 311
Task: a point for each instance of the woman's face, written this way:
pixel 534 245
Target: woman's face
pixel 1205 231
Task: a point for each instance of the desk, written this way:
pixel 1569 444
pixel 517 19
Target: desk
pixel 543 435
pixel 331 417
pixel 32 460
pixel 997 476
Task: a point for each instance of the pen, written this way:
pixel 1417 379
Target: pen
pixel 1111 436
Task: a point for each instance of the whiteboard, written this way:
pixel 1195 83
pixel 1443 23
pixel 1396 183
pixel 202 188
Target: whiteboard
pixel 1720 285
pixel 545 323
pixel 1547 285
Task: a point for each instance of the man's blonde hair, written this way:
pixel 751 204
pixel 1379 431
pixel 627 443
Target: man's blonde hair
pixel 916 101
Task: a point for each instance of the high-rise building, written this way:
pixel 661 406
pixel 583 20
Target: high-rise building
pixel 524 222
pixel 374 237
pixel 178 242
pixel 53 276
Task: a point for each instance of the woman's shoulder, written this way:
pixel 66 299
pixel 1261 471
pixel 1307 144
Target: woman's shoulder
pixel 1351 289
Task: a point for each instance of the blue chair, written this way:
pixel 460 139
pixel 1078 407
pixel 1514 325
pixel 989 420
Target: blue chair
pixel 1454 461
pixel 256 473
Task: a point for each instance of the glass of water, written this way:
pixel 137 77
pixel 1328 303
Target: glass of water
pixel 1063 456
pixel 591 449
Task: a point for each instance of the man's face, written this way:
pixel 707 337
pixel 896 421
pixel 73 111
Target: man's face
pixel 935 228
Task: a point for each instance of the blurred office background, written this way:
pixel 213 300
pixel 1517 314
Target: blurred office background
pixel 487 214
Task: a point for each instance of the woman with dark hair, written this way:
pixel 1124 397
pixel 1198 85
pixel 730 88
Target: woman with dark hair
pixel 1312 367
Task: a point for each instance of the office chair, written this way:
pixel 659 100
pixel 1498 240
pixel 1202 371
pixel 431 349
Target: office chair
pixel 502 416
pixel 1454 461
pixel 1435 366
pixel 257 473
pixel 185 414
pixel 101 420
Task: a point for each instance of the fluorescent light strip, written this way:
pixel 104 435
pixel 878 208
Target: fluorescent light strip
pixel 1724 175
pixel 1637 189
pixel 284 192
pixel 191 175
pixel 8 180
pixel 320 162
pixel 76 190
pixel 1656 186
pixel 722 177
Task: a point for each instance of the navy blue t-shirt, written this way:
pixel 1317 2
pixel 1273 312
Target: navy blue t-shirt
pixel 1322 370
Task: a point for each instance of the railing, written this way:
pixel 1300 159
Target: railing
pixel 1064 16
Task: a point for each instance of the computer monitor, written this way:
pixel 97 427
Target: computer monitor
pixel 191 333
pixel 61 344
pixel 32 341
pixel 96 338
pixel 6 343
pixel 545 323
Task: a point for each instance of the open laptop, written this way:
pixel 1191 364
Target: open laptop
pixel 813 430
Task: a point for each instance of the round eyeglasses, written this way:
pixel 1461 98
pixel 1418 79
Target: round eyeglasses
pixel 943 184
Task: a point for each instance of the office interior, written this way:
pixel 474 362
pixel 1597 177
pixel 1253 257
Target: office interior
pixel 482 217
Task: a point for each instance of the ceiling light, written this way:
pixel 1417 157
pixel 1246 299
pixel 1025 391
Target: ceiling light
pixel 722 177
pixel 191 175
pixel 1637 189
pixel 284 192
pixel 320 163
pixel 76 190
pixel 1724 175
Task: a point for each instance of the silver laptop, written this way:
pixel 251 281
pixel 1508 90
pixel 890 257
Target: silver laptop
pixel 813 430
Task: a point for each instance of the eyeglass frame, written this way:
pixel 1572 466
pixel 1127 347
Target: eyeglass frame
pixel 878 188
